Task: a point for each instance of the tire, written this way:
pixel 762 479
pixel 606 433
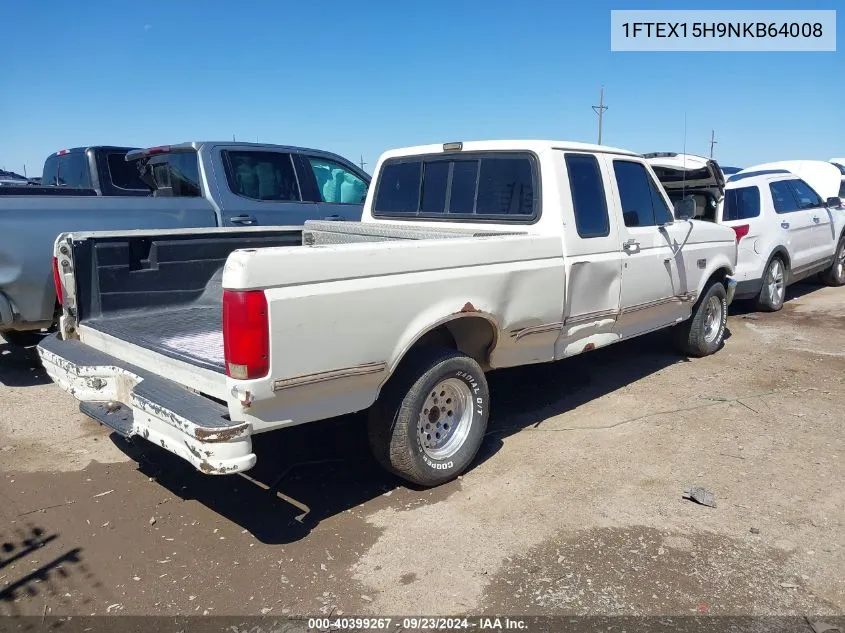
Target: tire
pixel 703 333
pixel 22 338
pixel 403 425
pixel 835 275
pixel 773 292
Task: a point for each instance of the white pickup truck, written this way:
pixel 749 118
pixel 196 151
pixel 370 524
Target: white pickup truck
pixel 470 257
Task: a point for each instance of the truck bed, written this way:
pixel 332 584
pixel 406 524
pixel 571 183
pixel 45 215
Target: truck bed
pixel 192 334
pixel 162 290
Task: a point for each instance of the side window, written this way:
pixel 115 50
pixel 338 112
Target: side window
pixel 742 203
pixel 73 170
pixel 782 197
pixel 635 193
pixel 662 215
pixel 266 176
pixel 588 197
pixel 337 184
pixel 805 195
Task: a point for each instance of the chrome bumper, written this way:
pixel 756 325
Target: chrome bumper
pixel 134 402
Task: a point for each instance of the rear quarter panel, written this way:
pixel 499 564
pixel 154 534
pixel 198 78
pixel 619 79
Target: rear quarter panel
pixel 342 316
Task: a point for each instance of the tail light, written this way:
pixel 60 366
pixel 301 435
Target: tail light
pixel 741 231
pixel 57 281
pixel 246 334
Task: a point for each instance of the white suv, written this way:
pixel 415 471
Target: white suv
pixel 785 231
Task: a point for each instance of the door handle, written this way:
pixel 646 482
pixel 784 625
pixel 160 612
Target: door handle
pixel 243 219
pixel 816 219
pixel 631 246
pixel 784 225
pixel 333 217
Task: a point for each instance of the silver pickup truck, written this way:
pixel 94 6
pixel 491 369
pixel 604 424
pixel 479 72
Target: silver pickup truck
pixel 193 185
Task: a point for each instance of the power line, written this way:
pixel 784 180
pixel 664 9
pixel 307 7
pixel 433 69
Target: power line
pixel 599 109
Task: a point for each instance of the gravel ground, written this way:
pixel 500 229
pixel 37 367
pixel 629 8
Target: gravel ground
pixel 573 506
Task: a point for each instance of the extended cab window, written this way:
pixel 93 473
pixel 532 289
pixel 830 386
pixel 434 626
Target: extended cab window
pixel 73 171
pixel 337 184
pixel 782 197
pixel 469 186
pixel 642 202
pixel 741 203
pixel 261 175
pixel 588 198
pixel 806 197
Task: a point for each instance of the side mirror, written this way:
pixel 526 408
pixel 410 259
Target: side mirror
pixel 834 202
pixel 685 209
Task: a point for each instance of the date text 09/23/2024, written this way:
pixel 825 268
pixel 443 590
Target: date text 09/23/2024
pixel 418 623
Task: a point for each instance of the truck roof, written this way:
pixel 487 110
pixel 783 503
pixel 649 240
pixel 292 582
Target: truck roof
pixel 504 145
pixel 196 145
pixel 74 150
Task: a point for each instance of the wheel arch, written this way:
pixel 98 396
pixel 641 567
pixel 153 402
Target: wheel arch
pixel 472 332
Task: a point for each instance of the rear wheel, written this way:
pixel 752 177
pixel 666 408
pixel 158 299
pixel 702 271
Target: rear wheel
pixel 22 338
pixel 773 292
pixel 703 333
pixel 835 275
pixel 430 419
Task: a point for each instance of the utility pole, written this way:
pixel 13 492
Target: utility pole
pixel 599 109
pixel 233 137
pixel 24 170
pixel 362 163
pixel 713 141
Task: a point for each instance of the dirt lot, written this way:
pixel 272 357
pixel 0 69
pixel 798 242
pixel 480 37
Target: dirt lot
pixel 574 505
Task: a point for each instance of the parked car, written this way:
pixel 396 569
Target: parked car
pixel 470 257
pixel 785 230
pixel 201 184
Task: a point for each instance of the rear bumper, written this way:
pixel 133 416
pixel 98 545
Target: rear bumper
pixel 748 288
pixel 134 402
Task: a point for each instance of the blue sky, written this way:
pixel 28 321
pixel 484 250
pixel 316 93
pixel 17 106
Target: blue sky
pixel 362 77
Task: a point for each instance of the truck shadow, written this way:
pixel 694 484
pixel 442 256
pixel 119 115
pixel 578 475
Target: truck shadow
pixel 61 574
pixel 20 366
pixel 312 472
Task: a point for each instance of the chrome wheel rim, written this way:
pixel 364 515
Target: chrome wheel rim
pixel 445 418
pixel 840 262
pixel 774 283
pixel 712 319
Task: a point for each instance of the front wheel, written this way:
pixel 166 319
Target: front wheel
pixel 430 419
pixel 703 333
pixel 835 275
